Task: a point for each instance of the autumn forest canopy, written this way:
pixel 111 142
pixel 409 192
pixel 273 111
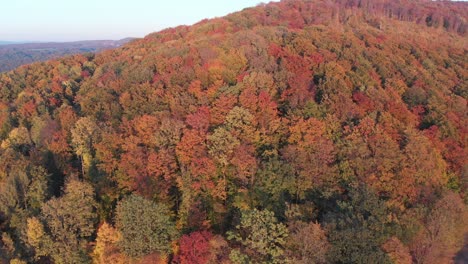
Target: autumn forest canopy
pixel 321 131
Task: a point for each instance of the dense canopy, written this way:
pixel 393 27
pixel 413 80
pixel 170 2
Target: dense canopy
pixel 322 131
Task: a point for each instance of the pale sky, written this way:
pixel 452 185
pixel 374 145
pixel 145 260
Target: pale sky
pixel 71 20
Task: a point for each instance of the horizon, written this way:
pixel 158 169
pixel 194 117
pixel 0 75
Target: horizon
pixel 32 21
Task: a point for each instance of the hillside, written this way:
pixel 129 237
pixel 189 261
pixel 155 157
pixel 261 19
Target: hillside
pixel 294 132
pixel 14 55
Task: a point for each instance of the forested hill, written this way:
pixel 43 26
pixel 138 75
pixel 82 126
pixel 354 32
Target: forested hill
pixel 291 132
pixel 13 55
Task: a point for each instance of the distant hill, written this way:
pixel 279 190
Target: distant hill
pixel 6 42
pixel 14 54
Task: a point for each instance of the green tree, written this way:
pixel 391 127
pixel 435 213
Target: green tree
pixel 221 145
pixel 25 188
pixel 241 122
pixel 358 228
pixel 145 226
pixel 261 233
pixel 67 223
pixel 21 195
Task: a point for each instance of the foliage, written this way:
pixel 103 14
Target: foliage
pixel 260 232
pixel 145 226
pixel 65 225
pixel 344 121
pixel 194 248
pixel 357 229
pixel 307 243
pixel 106 249
pixel 438 233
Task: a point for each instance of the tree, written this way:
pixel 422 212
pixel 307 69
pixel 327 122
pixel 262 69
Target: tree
pixel 37 237
pixel 24 189
pixel 221 145
pixel 194 248
pixel 397 251
pixel 311 154
pixel 18 139
pixel 240 122
pixel 358 227
pixel 84 134
pixel 438 236
pixel 22 194
pixel 65 225
pixel 106 249
pixel 146 227
pixel 260 232
pixel 307 243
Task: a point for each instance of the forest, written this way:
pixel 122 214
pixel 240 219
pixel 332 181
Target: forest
pixel 300 131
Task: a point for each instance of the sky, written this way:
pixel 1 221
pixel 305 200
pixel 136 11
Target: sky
pixel 72 20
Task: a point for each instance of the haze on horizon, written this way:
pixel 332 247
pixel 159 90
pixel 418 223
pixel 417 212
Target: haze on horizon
pixel 60 21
